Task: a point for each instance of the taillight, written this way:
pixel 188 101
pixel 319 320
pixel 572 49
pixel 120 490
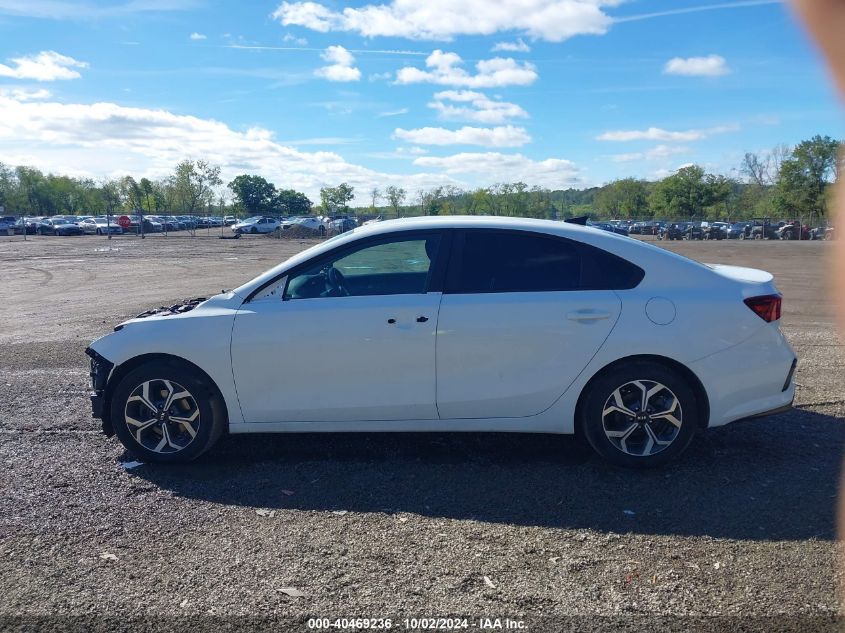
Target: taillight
pixel 767 307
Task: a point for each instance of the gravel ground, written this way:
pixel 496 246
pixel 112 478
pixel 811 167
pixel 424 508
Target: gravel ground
pixel 268 531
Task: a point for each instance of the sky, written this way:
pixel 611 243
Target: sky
pixel 555 93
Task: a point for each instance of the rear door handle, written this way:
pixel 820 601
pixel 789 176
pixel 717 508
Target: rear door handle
pixel 587 315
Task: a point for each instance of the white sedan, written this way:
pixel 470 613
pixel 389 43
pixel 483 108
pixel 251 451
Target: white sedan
pixel 456 324
pixel 255 225
pixel 100 226
pixel 308 221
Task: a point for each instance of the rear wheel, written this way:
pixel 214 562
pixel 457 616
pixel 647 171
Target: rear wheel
pixel 640 414
pixel 167 412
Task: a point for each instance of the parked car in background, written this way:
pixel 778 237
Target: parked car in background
pixel 28 225
pixel 257 224
pixel 763 230
pixel 341 224
pixel 606 226
pixel 694 230
pixel 673 231
pixel 738 231
pixel 58 226
pixel 7 222
pixel 101 226
pixel 150 226
pixel 823 232
pixel 229 220
pixel 793 230
pixel 308 221
pixel 716 231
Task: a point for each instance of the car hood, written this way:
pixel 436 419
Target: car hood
pixel 195 307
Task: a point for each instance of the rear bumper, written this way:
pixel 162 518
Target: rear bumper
pixel 751 379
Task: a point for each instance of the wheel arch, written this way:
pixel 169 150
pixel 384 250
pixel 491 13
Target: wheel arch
pixel 127 366
pixel 701 398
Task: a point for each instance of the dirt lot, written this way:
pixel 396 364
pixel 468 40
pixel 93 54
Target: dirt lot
pixel 527 528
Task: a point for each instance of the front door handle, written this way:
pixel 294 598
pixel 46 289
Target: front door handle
pixel 587 315
pixel 422 319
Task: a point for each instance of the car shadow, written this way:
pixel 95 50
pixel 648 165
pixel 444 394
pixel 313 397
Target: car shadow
pixel 772 478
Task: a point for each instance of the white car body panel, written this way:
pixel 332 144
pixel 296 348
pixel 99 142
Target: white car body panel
pixel 486 367
pixel 348 362
pixel 379 379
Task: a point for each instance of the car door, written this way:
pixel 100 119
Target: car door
pixel 516 323
pixel 349 336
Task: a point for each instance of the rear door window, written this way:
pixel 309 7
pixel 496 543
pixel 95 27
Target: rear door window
pixel 498 261
pixel 491 261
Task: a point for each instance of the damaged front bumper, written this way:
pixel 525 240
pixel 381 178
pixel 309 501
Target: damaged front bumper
pixel 100 370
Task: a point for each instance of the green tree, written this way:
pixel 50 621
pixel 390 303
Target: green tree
pixel 255 194
pixel 291 202
pixel 375 196
pixel 395 197
pixel 335 200
pixel 147 197
pixel 625 198
pixel 194 183
pixel 804 177
pixel 683 194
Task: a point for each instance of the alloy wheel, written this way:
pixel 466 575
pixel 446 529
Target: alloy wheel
pixel 642 418
pixel 162 416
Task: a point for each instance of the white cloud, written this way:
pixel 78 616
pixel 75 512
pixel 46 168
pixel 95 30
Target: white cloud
pixel 445 69
pixel 474 106
pixel 519 46
pixel 106 139
pixel 398 112
pixel 659 134
pixel 380 76
pixel 22 94
pixel 45 66
pixel 503 136
pixel 299 41
pixel 198 36
pixel 709 66
pixel 552 20
pixel 555 173
pixel 655 153
pixel 341 65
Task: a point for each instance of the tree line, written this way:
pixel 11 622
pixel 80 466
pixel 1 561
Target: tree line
pixel 784 182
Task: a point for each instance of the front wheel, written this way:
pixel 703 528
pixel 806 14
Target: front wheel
pixel 167 412
pixel 639 414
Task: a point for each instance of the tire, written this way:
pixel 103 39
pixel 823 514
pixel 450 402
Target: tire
pixel 742 236
pixel 204 413
pixel 253 230
pixel 603 423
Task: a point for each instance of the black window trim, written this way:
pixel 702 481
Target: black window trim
pixel 437 272
pixel 585 251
